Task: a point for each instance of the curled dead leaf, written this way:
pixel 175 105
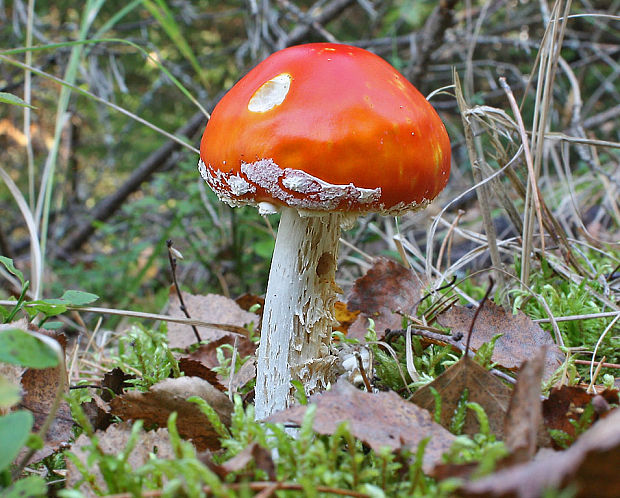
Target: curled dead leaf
pixel 565 406
pixel 590 465
pixel 156 405
pixel 384 290
pixel 523 421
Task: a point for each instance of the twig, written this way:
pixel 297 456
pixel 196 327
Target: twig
pixel 602 363
pixel 325 14
pixel 432 36
pixel 571 318
pixel 147 316
pixel 360 365
pixel 598 343
pixel 483 190
pixel 144 172
pixel 172 258
pixel 473 320
pixel 453 341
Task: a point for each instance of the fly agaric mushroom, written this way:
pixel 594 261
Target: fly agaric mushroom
pixel 321 132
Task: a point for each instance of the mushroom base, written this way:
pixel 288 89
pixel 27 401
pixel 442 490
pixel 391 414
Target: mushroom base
pixel 298 315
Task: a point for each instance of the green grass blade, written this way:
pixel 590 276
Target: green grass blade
pixel 160 11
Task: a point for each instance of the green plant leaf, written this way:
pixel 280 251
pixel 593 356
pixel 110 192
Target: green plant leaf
pixel 32 486
pixel 49 307
pixel 9 98
pixel 21 348
pixel 56 325
pixel 159 10
pixel 78 298
pixel 8 264
pixel 14 432
pixel 9 393
pixel 71 298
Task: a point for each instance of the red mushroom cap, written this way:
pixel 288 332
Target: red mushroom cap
pixel 325 127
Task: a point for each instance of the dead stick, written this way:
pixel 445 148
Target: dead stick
pixel 173 268
pixel 112 203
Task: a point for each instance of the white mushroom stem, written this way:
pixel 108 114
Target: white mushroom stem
pixel 298 315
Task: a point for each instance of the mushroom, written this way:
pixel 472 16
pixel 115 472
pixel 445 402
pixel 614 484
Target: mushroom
pixel 321 132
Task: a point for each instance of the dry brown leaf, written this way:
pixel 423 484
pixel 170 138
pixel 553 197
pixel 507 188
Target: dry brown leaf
pixel 521 338
pixel 483 387
pixel 170 395
pixel 248 301
pixel 111 442
pixel 40 390
pixel 384 290
pixel 40 387
pixel 377 419
pixel 194 368
pixel 207 353
pixel 97 410
pixel 252 453
pixel 567 403
pixel 245 374
pixel 114 383
pixel 10 374
pixel 591 465
pixel 211 308
pixel 524 417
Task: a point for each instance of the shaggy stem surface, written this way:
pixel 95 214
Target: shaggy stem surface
pixel 298 314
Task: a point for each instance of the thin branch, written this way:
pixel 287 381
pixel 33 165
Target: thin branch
pixel 112 203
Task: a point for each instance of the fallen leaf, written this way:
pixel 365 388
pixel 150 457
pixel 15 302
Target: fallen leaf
pixel 385 289
pixel 249 301
pixel 168 395
pixel 567 403
pixel 521 338
pixel 246 373
pixel 344 317
pixel 98 410
pixel 590 465
pixel 524 417
pixel 252 453
pixel 111 442
pixel 483 387
pixel 194 368
pixel 378 419
pixel 114 383
pixel 207 353
pixel 211 308
pixel 10 376
pixel 40 389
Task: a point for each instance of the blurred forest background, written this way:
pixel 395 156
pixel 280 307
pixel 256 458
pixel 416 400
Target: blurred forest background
pixel 105 188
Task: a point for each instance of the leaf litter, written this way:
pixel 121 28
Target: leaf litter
pixel 590 465
pixel 381 419
pixel 111 442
